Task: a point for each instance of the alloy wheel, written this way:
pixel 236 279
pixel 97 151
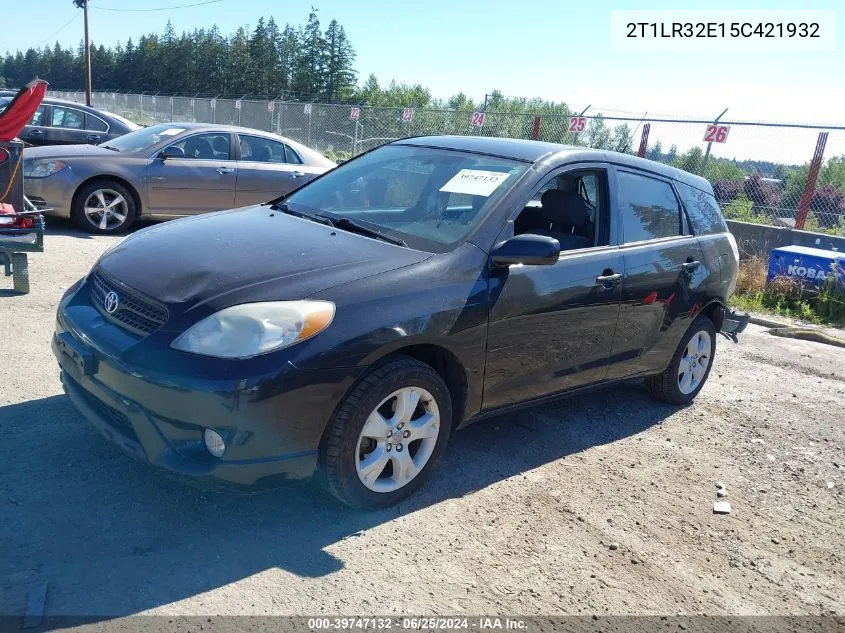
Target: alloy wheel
pixel 398 439
pixel 693 364
pixel 106 209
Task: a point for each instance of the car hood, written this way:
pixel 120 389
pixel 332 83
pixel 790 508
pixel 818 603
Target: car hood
pixel 245 255
pixel 67 151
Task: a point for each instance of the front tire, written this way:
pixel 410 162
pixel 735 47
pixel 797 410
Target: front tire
pixel 104 207
pixel 388 435
pixel 690 366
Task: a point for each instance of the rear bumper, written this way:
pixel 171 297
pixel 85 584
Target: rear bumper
pixel 734 322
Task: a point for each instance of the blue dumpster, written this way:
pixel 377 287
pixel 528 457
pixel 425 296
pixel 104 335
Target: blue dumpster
pixel 806 264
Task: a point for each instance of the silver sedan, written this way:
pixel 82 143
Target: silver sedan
pixel 164 171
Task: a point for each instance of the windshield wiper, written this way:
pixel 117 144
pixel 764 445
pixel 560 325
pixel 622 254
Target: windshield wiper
pixel 319 219
pixel 348 225
pixel 342 223
pixel 114 149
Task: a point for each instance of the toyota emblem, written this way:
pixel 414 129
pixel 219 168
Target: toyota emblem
pixel 111 302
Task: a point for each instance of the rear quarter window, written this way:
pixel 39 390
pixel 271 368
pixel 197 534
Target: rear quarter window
pixel 703 211
pixel 95 124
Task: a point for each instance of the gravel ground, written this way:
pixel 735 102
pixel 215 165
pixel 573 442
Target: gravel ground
pixel 602 503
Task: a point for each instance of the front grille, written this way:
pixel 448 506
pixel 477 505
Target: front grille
pixel 135 312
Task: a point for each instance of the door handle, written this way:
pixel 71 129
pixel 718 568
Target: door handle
pixel 608 279
pixel 297 174
pixel 691 266
pixel 36 132
pixel 94 138
pixel 225 170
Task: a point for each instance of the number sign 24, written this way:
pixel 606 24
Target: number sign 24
pixel 716 133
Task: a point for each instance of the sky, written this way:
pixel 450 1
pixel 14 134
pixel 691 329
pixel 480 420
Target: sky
pixel 555 49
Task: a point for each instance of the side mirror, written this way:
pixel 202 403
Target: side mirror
pixel 171 151
pixel 528 249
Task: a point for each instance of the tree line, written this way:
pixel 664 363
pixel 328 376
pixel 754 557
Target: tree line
pixel 309 63
pixel 268 60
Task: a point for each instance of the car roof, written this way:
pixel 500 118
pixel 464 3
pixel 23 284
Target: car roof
pixel 552 154
pixel 218 127
pixel 9 94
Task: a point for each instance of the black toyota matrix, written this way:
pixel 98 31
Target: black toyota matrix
pixel 349 327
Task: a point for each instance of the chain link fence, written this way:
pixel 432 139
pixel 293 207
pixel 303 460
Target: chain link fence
pixel 783 174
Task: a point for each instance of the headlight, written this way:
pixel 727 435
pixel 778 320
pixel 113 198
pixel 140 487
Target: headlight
pixel 42 168
pixel 251 329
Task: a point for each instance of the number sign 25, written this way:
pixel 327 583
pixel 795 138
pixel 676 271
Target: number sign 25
pixel 716 133
pixel 577 123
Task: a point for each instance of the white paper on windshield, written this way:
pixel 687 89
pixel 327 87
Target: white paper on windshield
pixel 475 182
pixel 171 131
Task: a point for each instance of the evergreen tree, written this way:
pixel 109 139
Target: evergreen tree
pixel 262 62
pixel 339 59
pixel 238 63
pixel 287 50
pixel 308 79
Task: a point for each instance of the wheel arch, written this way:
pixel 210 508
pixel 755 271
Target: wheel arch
pixel 136 197
pixel 444 362
pixel 715 311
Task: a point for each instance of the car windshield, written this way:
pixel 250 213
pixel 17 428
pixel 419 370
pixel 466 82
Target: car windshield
pixel 430 198
pixel 144 138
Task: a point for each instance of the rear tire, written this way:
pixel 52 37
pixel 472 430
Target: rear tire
pixel 99 198
pixel 387 436
pixel 20 273
pixel 686 374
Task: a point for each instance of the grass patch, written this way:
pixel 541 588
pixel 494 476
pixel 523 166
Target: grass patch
pixel 784 296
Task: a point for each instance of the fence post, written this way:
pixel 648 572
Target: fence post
pixel 535 133
pixel 310 108
pixel 810 188
pixel 644 140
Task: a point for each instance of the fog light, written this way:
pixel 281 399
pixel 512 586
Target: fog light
pixel 214 443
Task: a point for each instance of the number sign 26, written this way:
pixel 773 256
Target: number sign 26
pixel 716 133
pixel 577 123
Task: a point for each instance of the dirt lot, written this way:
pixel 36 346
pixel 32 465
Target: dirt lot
pixel 598 504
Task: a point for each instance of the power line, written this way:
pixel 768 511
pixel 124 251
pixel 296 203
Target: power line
pixel 62 28
pixel 181 6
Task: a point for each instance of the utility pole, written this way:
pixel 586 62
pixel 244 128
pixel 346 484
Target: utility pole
pixel 83 4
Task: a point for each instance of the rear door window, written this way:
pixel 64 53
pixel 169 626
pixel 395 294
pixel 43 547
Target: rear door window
pixel 703 211
pixel 648 208
pixel 68 118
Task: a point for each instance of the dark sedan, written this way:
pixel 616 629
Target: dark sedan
pixel 348 328
pixel 60 122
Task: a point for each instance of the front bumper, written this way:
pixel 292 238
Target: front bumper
pixel 272 432
pixel 52 194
